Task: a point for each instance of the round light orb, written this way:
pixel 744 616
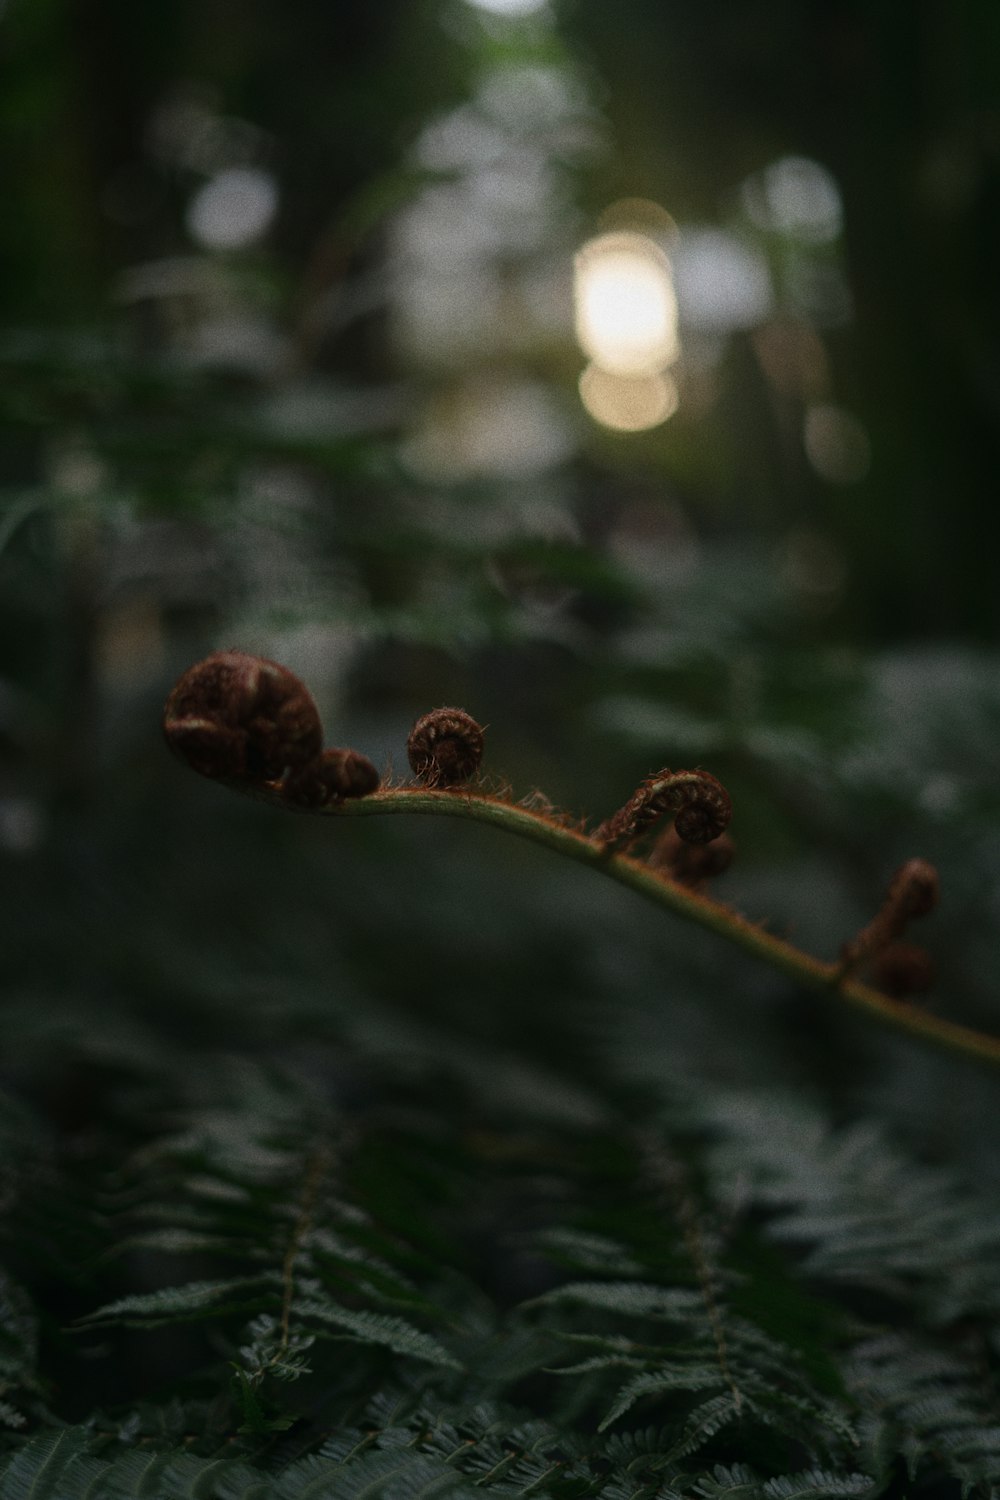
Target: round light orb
pixel 626 310
pixel 628 403
pixel 233 208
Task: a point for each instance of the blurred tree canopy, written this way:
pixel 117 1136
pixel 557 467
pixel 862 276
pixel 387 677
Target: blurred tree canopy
pixel 899 106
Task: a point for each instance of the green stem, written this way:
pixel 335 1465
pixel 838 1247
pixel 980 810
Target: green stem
pixel 574 844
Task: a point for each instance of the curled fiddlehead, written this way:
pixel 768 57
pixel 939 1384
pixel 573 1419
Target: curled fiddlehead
pixel 236 715
pixel 913 892
pixel 250 721
pixel 700 803
pixel 445 747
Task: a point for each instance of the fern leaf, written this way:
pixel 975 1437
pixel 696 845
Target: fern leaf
pixel 238 1482
pixel 390 1475
pixel 365 1272
pixel 195 1299
pixel 646 1447
pixel 621 1488
pixel 178 1239
pixel 930 1404
pixel 140 1472
pixel 735 1482
pixel 705 1421
pixel 703 1377
pixel 596 1253
pixel 597 1362
pixel 51 1466
pixel 814 1484
pixel 378 1328
pixel 639 1299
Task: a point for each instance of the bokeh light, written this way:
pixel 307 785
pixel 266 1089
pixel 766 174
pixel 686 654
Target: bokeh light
pixel 233 208
pixel 795 196
pixel 722 282
pixel 628 403
pixel 640 216
pixel 509 7
pixel 626 310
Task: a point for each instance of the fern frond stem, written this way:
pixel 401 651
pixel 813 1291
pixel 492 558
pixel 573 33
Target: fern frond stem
pixel 315 1172
pixel 573 843
pixel 667 1175
pixel 501 1467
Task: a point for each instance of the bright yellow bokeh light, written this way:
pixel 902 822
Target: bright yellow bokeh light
pixel 626 310
pixel 628 403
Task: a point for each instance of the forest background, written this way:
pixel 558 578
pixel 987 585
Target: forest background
pixel 289 362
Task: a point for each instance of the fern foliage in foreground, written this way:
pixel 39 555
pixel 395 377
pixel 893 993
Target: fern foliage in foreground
pixel 412 1286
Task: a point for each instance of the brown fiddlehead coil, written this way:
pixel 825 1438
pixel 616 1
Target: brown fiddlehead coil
pixel 250 721
pixel 700 803
pixel 331 777
pixel 239 715
pixel 445 747
pixel 913 892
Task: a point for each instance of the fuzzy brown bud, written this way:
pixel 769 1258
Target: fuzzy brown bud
pixel 913 892
pixel 700 803
pixel 234 715
pixel 445 747
pixel 330 778
pixel 915 889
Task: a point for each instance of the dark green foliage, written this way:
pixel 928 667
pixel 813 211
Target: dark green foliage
pixel 703 1277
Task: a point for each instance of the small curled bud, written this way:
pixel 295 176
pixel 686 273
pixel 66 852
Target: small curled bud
pixel 915 889
pixel 913 892
pixel 330 778
pixel 903 969
pixel 693 865
pixel 237 715
pixel 700 802
pixel 445 747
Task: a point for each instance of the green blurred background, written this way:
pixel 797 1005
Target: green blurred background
pixel 289 363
